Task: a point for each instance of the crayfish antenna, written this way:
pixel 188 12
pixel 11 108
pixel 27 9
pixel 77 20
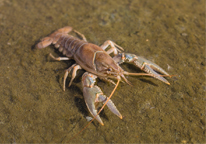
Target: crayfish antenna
pixel 138 74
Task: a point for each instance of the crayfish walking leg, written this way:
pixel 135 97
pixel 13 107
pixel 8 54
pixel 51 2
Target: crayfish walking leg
pixel 75 67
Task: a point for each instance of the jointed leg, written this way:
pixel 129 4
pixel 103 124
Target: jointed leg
pixel 75 67
pixel 83 37
pixel 59 58
pixel 114 47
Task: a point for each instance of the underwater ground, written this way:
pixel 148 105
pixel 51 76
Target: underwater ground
pixel 33 106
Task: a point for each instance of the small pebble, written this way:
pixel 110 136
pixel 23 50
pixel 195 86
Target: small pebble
pixel 88 118
pixel 184 34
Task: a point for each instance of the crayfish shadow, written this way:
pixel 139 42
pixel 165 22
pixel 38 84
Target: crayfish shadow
pixel 79 99
pixel 80 104
pixel 148 81
pixel 33 47
pixel 131 68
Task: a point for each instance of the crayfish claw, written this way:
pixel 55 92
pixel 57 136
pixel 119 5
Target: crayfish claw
pixel 110 105
pixel 90 97
pixel 93 94
pixel 90 93
pixel 156 75
pixel 151 68
pixel 144 64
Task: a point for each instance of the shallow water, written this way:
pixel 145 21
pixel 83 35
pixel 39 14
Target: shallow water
pixel 33 106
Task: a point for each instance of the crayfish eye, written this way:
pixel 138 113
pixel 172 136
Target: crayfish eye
pixel 109 69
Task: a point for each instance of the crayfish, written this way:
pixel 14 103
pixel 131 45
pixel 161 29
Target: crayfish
pixel 97 62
